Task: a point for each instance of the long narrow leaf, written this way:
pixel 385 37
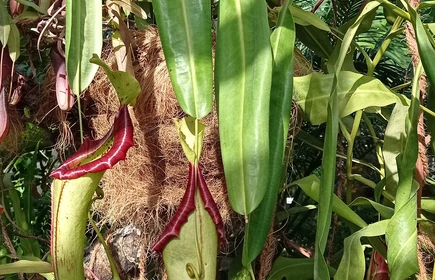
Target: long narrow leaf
pixel 329 160
pixel 243 81
pixel 84 36
pixel 185 32
pixel 282 39
pixel 425 48
pixel 401 234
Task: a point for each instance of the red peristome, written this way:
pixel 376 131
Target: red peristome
pixel 186 207
pixel 122 131
pixel 210 205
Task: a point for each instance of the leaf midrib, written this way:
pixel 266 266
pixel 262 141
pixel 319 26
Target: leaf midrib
pixel 243 84
pixel 191 57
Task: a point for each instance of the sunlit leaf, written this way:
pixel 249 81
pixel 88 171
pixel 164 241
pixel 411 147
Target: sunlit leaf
pixel 243 81
pixel 354 92
pixel 126 85
pixel 282 39
pixel 185 31
pixel 83 37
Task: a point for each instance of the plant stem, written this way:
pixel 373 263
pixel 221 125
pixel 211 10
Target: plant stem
pixel 395 30
pixel 115 275
pixel 351 142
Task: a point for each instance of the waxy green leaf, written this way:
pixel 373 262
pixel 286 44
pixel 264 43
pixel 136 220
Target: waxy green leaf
pixel 185 31
pixel 83 37
pixel 354 92
pixel 282 39
pixel 394 138
pixel 243 81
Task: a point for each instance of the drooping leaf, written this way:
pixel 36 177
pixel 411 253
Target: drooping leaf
pixel 5 26
pixel 306 18
pixel 401 233
pixel 25 266
pixel 243 81
pixel 130 7
pixel 425 48
pixel 311 185
pixel 14 42
pixel 352 265
pixel 401 238
pixel 301 269
pixel 428 204
pixel 126 85
pixel 185 31
pixel 327 180
pixel 83 37
pixel 33 5
pixel 385 211
pixel 393 145
pixel 315 39
pixel 260 220
pixel 354 92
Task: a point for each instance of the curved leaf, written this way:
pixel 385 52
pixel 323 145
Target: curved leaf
pixel 185 31
pixel 301 269
pixel 25 266
pixel 282 39
pixel 352 265
pixel 354 92
pixel 306 18
pixel 385 211
pixel 83 37
pixel 243 80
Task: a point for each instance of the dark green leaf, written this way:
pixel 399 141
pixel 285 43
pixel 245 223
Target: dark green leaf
pixel 84 37
pixel 300 269
pixel 282 39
